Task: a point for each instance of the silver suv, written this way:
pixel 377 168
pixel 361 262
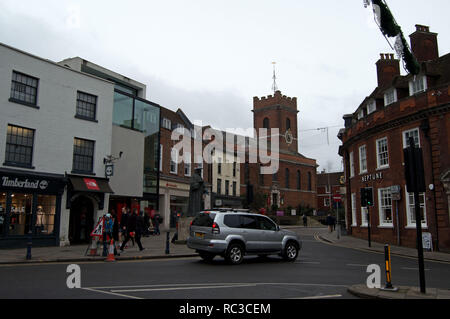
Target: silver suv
pixel 233 234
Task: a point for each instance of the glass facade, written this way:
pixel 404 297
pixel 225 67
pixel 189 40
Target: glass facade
pixel 143 116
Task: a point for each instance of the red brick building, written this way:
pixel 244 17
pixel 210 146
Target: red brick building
pixel 375 136
pixel 328 184
pixel 294 184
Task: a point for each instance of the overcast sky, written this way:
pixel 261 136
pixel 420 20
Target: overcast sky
pixel 211 57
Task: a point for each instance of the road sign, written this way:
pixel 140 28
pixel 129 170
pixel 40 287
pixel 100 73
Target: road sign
pixel 337 198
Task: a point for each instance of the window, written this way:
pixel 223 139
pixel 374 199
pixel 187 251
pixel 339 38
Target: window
pixel 354 221
pixel 86 106
pixel 417 85
pixel 288 124
pixel 219 166
pixel 390 97
pixel 21 214
pixel 234 189
pixel 234 169
pixel 411 133
pixel 200 164
pixel 299 180
pixel 382 153
pixel 248 222
pixel 266 123
pixel 83 156
pixel 385 207
pixel 174 161
pixel 326 202
pixel 187 164
pixel 265 224
pixel 227 188
pixel 287 177
pixel 2 214
pixel 24 88
pixel 232 221
pixel 411 209
pixel 45 215
pixel 371 107
pixel 166 123
pixel 352 165
pixel 219 186
pixel 360 114
pixel 362 159
pixel 19 146
pixel 364 219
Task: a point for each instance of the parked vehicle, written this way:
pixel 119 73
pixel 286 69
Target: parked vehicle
pixel 233 234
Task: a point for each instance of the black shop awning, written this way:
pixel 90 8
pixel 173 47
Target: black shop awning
pixel 90 184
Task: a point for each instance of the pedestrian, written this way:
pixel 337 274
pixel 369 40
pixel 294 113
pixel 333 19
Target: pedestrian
pixel 176 217
pixel 124 223
pixel 107 233
pixel 115 231
pixel 305 221
pixel 132 231
pixel 156 221
pixel 140 229
pixel 330 222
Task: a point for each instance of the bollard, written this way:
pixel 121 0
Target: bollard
pixel 387 258
pixel 29 245
pixel 167 243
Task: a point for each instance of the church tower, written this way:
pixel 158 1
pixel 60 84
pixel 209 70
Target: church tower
pixel 278 111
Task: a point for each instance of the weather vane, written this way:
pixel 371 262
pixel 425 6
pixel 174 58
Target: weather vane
pixel 274 86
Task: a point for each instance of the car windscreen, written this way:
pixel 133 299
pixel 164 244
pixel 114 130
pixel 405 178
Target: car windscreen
pixel 204 220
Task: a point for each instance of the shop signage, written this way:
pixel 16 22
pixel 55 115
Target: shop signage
pixel 372 177
pixel 24 184
pixel 91 184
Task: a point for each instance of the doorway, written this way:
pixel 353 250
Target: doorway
pixel 81 220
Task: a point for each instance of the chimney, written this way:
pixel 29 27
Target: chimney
pixel 424 44
pixel 387 68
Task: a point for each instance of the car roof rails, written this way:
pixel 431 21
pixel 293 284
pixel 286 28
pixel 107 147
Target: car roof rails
pixel 226 209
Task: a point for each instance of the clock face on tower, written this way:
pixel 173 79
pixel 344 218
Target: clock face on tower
pixel 288 137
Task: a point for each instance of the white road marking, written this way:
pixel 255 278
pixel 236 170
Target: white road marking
pixel 357 265
pixel 181 288
pixel 307 262
pixel 406 268
pixel 319 297
pixel 111 293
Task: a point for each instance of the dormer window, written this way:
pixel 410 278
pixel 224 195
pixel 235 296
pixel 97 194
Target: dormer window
pixel 361 114
pixel 371 107
pixel 418 85
pixel 390 97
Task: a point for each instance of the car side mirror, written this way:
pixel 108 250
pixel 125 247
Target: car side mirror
pixel 278 228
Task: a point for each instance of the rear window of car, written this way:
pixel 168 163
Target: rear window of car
pixel 204 220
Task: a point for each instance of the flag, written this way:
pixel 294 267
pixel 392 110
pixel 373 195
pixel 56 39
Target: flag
pixel 391 29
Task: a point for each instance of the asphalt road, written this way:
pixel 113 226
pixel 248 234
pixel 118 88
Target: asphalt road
pixel 322 271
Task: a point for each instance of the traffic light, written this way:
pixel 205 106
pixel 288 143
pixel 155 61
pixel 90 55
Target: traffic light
pixel 366 197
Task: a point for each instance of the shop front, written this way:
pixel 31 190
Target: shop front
pixel 30 205
pixel 86 204
pixel 173 201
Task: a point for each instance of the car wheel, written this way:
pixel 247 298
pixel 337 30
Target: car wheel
pixel 206 256
pixel 235 254
pixel 290 252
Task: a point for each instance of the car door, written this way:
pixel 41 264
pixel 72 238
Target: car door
pixel 249 232
pixel 271 237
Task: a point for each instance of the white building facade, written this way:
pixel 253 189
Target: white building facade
pixel 55 132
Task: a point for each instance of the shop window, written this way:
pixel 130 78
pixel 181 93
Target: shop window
pixel 354 221
pixel 45 215
pixel 2 214
pixel 21 214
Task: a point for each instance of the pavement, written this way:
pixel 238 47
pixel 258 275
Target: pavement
pixel 404 292
pixel 156 248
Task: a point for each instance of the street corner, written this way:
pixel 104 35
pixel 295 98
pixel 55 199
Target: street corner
pixel 362 291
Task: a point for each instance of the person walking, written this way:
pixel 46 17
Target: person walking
pixel 305 221
pixel 147 224
pixel 329 222
pixel 132 230
pixel 157 220
pixel 140 229
pixel 107 233
pixel 124 224
pixel 115 231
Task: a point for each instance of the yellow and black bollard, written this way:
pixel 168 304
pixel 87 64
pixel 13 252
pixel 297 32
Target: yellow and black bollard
pixel 387 258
